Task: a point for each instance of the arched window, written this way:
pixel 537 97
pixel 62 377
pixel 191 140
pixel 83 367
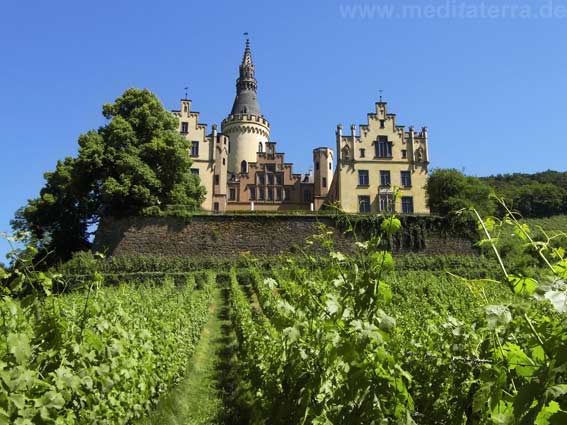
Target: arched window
pixel 260 147
pixel 243 167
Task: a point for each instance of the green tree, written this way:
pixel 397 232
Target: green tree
pixel 136 162
pixel 539 200
pixel 448 190
pixel 533 195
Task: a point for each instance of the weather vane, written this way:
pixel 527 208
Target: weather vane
pixel 381 91
pixel 186 88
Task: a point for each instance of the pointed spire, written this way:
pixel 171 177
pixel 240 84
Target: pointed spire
pixel 246 85
pixel 247 59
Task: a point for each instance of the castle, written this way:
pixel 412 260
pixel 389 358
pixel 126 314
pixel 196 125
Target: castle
pixel 242 170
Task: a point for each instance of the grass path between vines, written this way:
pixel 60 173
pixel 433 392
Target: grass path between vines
pixel 209 392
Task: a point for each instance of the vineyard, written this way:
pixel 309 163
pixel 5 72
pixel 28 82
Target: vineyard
pixel 303 339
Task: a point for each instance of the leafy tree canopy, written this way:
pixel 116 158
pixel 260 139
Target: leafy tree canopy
pixel 532 195
pixel 136 162
pixel 448 190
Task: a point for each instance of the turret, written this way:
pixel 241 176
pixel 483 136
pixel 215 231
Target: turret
pixel 246 127
pixel 323 165
pixel 220 142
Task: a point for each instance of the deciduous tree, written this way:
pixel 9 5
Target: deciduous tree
pixel 135 162
pixel 448 190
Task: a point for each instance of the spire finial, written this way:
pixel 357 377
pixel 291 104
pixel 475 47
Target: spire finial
pixel 381 91
pixel 247 58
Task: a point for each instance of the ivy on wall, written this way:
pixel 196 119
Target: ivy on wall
pixel 416 231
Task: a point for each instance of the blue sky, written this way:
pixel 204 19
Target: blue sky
pixel 487 78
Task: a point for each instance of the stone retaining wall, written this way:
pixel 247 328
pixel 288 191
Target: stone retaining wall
pixel 228 236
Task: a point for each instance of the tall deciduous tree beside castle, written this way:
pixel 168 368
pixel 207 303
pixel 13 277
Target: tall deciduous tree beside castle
pixel 137 161
pixel 448 190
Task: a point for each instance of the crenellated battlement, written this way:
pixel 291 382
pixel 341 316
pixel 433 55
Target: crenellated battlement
pixel 245 118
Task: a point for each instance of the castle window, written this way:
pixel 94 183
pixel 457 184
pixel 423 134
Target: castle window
pixel 306 196
pixel 261 180
pixel 243 167
pixel 224 161
pixel 386 202
pixel 324 182
pixel 261 193
pixel 385 178
pixel 194 148
pixel 195 171
pixel 252 192
pixel 363 177
pixel 382 123
pixel 270 194
pixel 279 179
pixel 232 194
pixel 383 147
pixel 217 179
pixel 404 153
pixel 407 204
pixel 362 152
pixel 279 194
pixel 364 204
pixel 330 165
pixel 185 127
pixel 260 147
pixel 406 178
pixel 286 195
pixel 270 179
pixel 317 165
pixel 270 167
pixel 185 109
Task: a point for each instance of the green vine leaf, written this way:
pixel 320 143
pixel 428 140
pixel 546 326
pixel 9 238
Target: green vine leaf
pixel 523 285
pixel 19 346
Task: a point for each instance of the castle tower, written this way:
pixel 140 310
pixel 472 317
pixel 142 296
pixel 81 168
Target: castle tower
pixel 246 127
pixel 220 142
pixel 323 164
